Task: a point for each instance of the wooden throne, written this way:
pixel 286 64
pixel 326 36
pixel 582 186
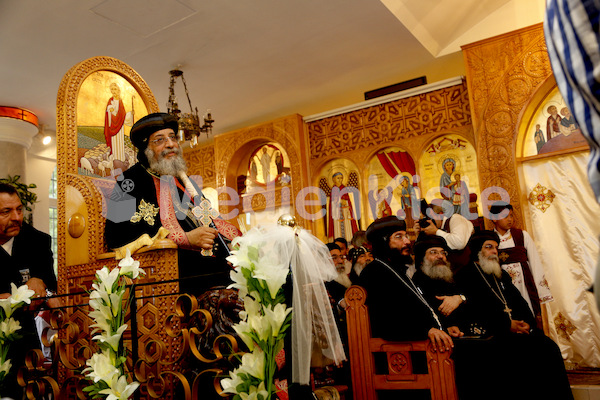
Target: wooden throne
pixel 165 329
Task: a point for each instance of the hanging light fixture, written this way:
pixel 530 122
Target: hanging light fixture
pixel 189 123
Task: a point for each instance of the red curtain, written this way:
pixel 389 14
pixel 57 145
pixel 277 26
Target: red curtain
pixel 395 162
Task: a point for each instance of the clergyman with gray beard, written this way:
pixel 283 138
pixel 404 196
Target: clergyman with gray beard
pixel 531 362
pixel 155 199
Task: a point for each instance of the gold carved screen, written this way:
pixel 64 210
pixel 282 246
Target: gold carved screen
pixel 407 125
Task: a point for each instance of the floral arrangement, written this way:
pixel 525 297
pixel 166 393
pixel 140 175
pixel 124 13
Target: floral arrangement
pixel 106 368
pixel 259 276
pixel 9 327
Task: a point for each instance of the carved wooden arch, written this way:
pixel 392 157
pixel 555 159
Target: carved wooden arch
pixel 66 135
pixel 93 206
pixel 239 144
pixel 66 103
pixel 503 74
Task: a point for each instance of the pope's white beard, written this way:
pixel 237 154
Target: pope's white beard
pixel 166 166
pixel 490 265
pixel 438 270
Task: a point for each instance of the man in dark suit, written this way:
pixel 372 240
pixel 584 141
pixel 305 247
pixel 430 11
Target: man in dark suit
pixel 25 258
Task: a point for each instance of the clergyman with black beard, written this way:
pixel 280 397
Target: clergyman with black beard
pixel 155 199
pixel 397 310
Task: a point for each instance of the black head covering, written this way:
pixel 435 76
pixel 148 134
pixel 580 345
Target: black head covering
pixel 498 206
pixel 478 239
pixel 356 252
pixel 426 243
pixel 379 232
pixel 333 246
pixel 146 126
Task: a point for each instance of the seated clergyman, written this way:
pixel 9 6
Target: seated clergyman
pixel 155 198
pixel 398 311
pixel 532 359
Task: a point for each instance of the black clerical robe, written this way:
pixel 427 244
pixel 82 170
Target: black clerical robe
pixel 486 305
pixel 431 288
pixel 395 309
pixel 532 361
pixel 142 203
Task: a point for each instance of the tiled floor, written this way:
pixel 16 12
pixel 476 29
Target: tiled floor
pixel 586 392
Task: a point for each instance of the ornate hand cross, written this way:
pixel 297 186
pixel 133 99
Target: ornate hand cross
pixel 205 213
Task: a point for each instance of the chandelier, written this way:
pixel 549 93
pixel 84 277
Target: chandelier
pixel 189 123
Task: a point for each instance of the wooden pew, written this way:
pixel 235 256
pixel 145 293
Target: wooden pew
pixel 439 378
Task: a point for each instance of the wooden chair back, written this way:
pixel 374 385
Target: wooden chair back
pixel 438 379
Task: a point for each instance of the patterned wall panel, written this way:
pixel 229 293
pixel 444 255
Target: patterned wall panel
pixel 201 162
pixel 502 74
pixel 356 134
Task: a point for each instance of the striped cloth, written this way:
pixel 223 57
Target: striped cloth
pixel 572 35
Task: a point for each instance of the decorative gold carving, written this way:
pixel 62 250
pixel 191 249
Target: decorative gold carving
pixel 76 225
pixel 391 122
pixel 541 197
pixel 146 212
pixel 503 73
pixel 200 327
pixel 564 327
pixel 201 162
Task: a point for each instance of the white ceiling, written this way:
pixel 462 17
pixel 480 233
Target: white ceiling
pixel 248 61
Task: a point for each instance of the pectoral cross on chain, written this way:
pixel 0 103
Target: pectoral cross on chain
pixel 507 310
pixel 205 213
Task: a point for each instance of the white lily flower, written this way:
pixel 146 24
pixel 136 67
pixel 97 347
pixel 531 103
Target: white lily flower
pixel 100 368
pixel 119 389
pixel 5 366
pixel 100 295
pixel 239 282
pixel 101 323
pixel 260 325
pixel 112 340
pixel 241 257
pixel 253 364
pixel 22 294
pixel 101 308
pixel 274 275
pixel 229 385
pixel 130 267
pixel 251 306
pixel 242 329
pixel 116 302
pixel 9 326
pixel 107 279
pixel 276 316
pixel 254 392
pixel 6 306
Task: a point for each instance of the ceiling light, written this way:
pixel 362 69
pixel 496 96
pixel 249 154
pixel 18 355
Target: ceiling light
pixel 189 123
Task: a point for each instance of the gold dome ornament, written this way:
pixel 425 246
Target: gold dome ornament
pixel 287 220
